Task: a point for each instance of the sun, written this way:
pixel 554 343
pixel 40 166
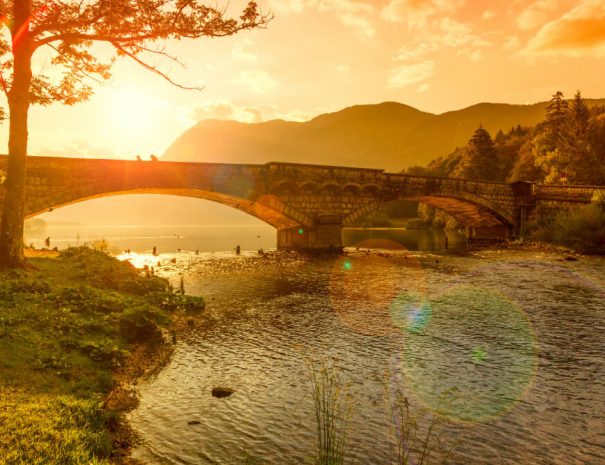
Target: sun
pixel 131 112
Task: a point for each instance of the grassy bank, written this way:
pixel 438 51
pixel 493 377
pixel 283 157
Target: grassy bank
pixel 66 330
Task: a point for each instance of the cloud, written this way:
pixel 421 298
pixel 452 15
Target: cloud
pixel 257 80
pixel 488 14
pixel 290 6
pixel 579 32
pixel 449 34
pixel 460 36
pixel 512 43
pixel 294 115
pixel 417 13
pixel 536 14
pixel 409 74
pixel 78 147
pixel 225 110
pixel 244 51
pixel 352 13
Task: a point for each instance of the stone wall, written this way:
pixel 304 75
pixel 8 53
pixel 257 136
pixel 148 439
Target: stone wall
pixel 317 200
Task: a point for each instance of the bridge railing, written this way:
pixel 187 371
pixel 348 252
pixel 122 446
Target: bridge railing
pixel 565 193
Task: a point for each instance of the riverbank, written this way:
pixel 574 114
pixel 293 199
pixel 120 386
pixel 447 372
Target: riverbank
pixel 75 335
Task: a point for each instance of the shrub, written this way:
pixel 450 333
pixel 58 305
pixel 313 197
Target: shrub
pixel 582 229
pixel 140 324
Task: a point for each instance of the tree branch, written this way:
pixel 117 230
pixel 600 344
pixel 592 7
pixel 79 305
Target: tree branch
pixel 152 68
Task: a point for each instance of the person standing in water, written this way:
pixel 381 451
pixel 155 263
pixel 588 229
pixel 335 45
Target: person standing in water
pixel 238 250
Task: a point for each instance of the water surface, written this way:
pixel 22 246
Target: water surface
pixel 506 346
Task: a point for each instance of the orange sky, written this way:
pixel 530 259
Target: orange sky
pixel 323 55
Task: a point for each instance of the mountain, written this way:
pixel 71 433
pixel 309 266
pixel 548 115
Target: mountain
pixel 388 135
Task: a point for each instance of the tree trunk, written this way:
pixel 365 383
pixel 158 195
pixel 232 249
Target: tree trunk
pixel 13 214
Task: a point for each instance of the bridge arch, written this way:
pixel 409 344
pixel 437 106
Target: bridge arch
pixel 267 208
pixel 468 209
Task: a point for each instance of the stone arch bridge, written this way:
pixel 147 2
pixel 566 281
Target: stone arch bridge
pixel 307 204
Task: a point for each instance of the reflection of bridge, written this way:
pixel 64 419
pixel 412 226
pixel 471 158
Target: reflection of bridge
pixel 308 204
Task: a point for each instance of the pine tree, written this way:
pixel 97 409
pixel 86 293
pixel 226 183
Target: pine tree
pixel 556 116
pixel 573 143
pixel 479 159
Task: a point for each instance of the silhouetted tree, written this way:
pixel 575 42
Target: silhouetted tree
pixel 556 116
pixel 68 30
pixel 479 160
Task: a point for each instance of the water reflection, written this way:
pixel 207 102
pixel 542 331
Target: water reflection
pixel 507 344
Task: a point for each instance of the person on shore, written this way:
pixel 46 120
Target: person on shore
pixel 47 242
pixel 155 251
pixel 445 242
pixel 238 250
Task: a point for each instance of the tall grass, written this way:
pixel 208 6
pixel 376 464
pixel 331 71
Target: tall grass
pixel 333 408
pixel 409 446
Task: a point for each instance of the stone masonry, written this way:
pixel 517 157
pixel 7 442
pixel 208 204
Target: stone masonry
pixel 307 204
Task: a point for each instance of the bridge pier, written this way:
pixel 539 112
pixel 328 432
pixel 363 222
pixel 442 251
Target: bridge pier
pixel 321 238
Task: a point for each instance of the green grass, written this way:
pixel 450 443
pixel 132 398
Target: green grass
pixel 64 329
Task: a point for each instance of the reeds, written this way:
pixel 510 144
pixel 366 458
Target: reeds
pixel 333 407
pixel 408 445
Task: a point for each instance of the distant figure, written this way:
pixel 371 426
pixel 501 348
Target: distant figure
pixel 197 251
pixel 47 242
pixel 155 251
pixel 238 250
pixel 139 158
pixel 50 209
pixel 261 252
pixel 445 242
pixel 153 157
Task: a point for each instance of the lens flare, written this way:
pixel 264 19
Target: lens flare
pixel 411 312
pixel 364 286
pixel 477 356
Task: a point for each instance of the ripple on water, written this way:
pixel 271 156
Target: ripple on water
pixel 515 341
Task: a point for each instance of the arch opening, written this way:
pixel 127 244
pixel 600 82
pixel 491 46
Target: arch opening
pixel 464 211
pixel 140 222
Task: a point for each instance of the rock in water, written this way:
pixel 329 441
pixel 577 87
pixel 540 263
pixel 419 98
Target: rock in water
pixel 194 422
pixel 222 392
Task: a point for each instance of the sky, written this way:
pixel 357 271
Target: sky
pixel 320 56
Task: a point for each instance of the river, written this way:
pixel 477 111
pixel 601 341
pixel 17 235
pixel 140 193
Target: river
pixel 505 348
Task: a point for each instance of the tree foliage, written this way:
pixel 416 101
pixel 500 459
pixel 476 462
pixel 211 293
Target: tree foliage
pixel 82 39
pixel 567 147
pixel 67 31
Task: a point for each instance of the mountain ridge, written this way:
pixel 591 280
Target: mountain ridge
pixel 387 135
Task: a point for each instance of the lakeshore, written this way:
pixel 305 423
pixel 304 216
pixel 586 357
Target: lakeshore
pixel 99 378
pixel 75 336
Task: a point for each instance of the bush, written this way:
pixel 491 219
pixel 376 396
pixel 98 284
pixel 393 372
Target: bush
pixel 582 229
pixel 140 324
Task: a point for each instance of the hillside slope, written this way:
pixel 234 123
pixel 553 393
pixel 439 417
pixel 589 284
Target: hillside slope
pixel 388 135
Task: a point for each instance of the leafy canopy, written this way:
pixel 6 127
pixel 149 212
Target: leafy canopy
pixel 137 29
